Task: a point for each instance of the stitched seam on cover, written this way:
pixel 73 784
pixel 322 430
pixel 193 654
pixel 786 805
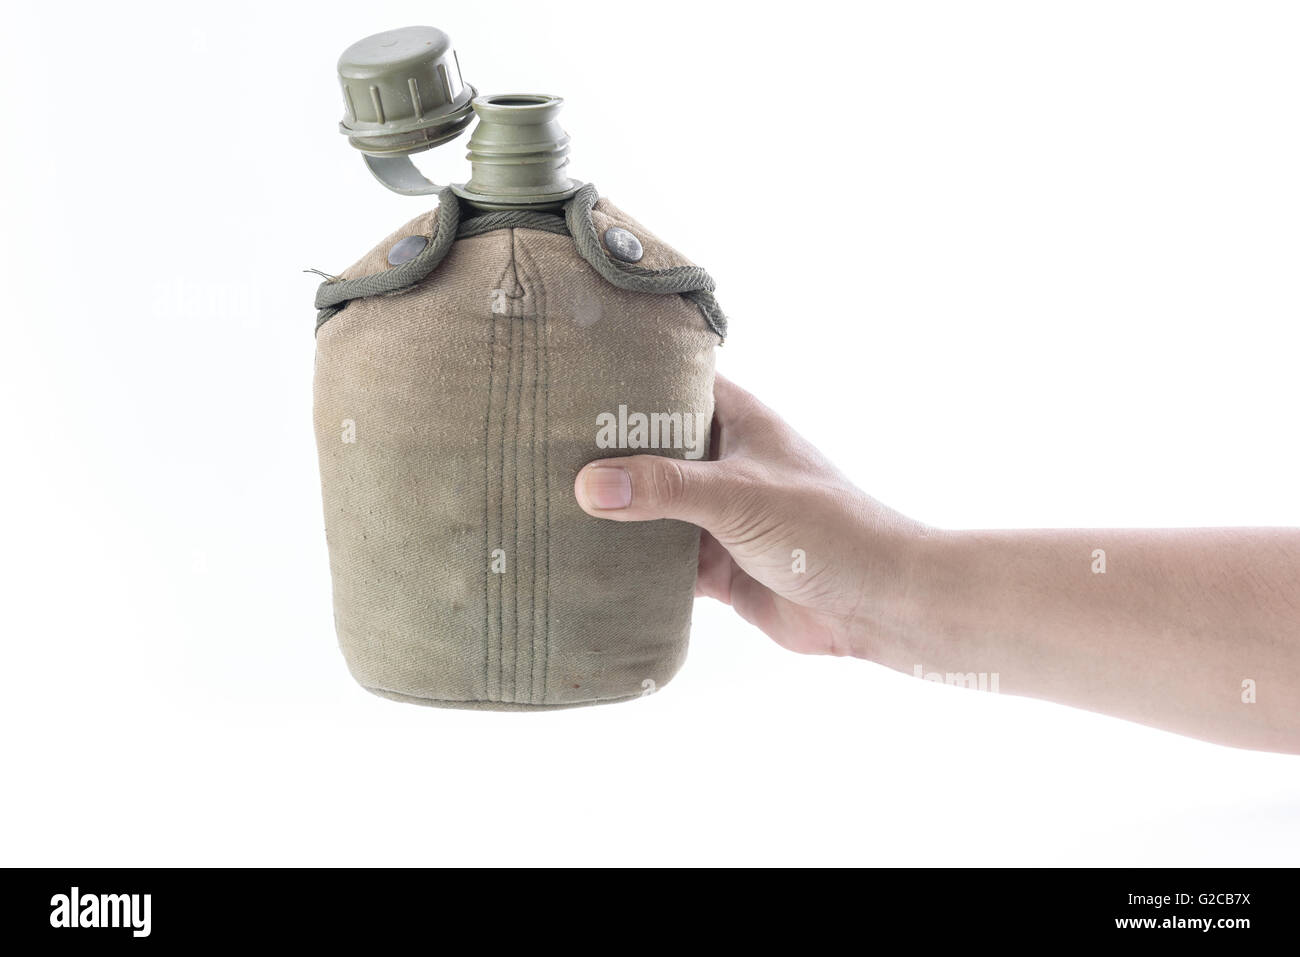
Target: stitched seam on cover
pixel 510 558
pixel 546 471
pixel 501 502
pixel 525 293
pixel 496 537
pixel 537 287
pixel 532 498
pixel 539 326
pixel 518 296
pixel 517 320
pixel 487 496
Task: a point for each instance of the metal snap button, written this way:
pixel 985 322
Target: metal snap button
pixel 622 245
pixel 404 250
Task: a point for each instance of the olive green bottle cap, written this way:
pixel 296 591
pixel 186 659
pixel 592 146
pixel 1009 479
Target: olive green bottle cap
pixel 402 92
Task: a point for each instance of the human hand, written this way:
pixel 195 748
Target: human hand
pixel 1197 616
pixel 789 542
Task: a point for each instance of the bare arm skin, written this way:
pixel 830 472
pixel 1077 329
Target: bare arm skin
pixel 1181 629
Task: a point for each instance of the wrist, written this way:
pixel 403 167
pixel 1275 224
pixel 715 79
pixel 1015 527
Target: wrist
pixel 915 624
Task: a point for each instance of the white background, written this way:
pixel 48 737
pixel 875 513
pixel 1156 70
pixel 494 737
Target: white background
pixel 1007 264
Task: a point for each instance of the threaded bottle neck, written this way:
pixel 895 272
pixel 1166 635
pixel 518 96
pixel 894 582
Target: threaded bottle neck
pixel 518 153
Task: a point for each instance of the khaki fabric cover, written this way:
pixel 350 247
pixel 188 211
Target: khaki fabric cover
pixel 471 401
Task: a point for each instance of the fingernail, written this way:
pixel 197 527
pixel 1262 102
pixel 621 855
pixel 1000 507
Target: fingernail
pixel 607 487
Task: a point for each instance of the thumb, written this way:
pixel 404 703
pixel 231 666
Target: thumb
pixel 638 488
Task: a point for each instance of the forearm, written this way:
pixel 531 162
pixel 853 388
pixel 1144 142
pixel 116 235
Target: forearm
pixel 1193 631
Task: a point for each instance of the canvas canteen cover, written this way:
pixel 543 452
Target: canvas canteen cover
pixel 452 414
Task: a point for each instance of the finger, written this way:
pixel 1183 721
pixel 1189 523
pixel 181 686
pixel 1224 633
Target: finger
pixel 640 488
pixel 777 617
pixel 739 419
pixel 731 403
pixel 713 579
